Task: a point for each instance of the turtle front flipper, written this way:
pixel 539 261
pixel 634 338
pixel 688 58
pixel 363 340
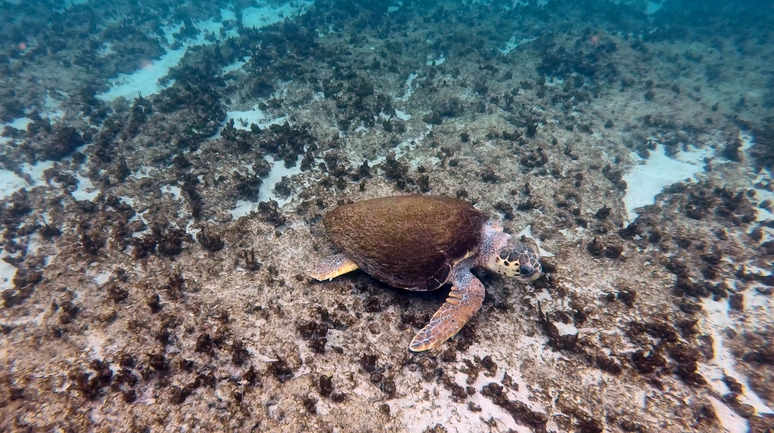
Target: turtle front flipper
pixel 333 266
pixel 464 301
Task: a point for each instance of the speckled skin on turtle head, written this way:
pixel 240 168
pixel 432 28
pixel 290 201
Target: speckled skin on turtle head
pixel 421 243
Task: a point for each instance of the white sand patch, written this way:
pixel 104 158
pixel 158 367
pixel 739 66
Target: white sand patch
pixel 542 296
pixel 173 190
pixel 409 90
pixel 102 277
pixel 189 228
pixel 33 245
pixel 105 49
pixel 566 328
pixel 384 116
pixel 435 61
pixel 53 108
pixel 402 148
pixel 266 15
pixel 517 3
pixel 717 320
pixel 278 171
pixel 554 81
pixel 514 43
pixel 69 3
pixel 761 194
pixel 244 119
pixel 648 178
pixel 141 174
pixel 95 343
pixel 139 216
pixel 7 274
pixel 653 7
pixel 761 213
pixel 235 66
pixel 395 7
pixel 145 80
pixel 419 414
pixel 243 208
pixel 19 123
pixel 136 216
pixel 227 15
pixel 402 115
pixel 755 300
pixel 122 200
pixel 731 422
pixel 10 183
pixel 36 171
pixel 266 192
pixel 85 190
pixel 210 27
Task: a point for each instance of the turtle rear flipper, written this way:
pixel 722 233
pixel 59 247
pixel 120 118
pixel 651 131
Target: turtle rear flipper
pixel 464 301
pixel 333 266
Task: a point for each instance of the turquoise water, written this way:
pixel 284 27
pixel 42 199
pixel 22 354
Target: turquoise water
pixel 165 170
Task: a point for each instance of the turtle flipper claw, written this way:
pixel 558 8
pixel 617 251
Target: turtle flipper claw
pixel 333 266
pixel 464 301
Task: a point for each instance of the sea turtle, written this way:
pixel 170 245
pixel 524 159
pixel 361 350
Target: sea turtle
pixel 421 242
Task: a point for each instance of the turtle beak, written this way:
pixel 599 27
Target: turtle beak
pixel 526 270
pixel 530 271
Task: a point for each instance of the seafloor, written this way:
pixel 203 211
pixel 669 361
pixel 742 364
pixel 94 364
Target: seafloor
pixel 166 167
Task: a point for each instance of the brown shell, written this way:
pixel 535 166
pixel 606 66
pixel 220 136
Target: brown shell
pixel 409 242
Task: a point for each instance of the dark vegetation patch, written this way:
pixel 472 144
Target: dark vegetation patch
pixel 614 176
pixel 192 109
pixel 169 240
pixel 520 412
pixel 592 61
pixel 570 343
pixel 271 213
pixel 210 241
pixel 315 333
pixel 287 143
pixel 763 150
pixel 51 142
pixel 661 340
pixel 597 249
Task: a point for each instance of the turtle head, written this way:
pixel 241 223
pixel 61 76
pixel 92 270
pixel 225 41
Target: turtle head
pixel 514 259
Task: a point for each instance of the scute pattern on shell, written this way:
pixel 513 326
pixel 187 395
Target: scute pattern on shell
pixel 409 242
